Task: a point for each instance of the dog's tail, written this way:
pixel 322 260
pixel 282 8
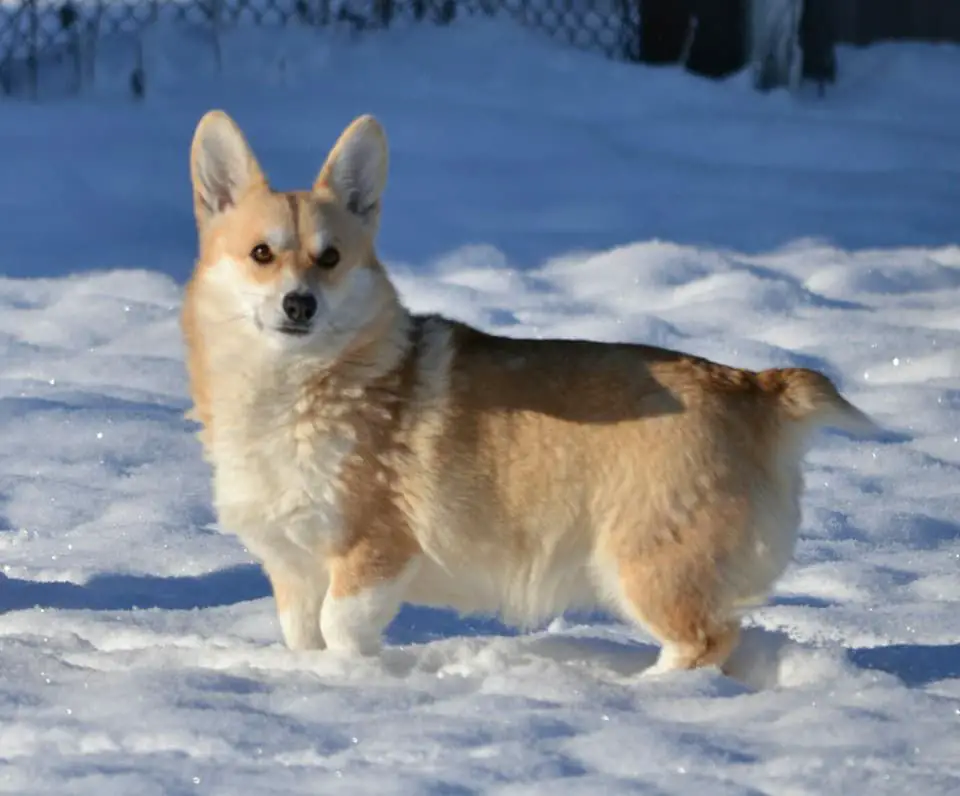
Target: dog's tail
pixel 808 397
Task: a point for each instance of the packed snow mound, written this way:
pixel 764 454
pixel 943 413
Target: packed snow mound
pixel 141 648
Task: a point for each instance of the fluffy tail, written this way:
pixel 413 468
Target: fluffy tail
pixel 809 397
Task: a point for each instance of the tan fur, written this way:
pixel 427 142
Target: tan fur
pixel 385 457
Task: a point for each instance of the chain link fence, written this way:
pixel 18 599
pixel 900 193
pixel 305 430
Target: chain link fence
pixel 52 46
pixel 56 46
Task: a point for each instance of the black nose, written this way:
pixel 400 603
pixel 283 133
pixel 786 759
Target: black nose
pixel 299 307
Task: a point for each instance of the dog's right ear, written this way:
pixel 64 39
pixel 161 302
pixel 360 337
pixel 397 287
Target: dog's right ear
pixel 222 166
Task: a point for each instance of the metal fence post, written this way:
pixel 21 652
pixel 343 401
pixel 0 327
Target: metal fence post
pixel 32 58
pixel 217 51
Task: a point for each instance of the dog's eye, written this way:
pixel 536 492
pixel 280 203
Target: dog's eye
pixel 328 258
pixel 262 254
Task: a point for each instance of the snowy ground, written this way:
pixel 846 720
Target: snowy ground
pixel 532 191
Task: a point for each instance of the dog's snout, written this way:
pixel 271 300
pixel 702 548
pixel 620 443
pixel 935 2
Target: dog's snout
pixel 299 307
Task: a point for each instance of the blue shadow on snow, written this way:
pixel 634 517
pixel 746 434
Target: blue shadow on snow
pixel 242 583
pixel 914 664
pixel 115 592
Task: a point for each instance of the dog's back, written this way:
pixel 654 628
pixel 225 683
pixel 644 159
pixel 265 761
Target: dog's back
pixel 570 473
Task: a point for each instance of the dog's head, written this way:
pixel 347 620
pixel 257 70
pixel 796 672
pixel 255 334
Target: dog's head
pixel 296 271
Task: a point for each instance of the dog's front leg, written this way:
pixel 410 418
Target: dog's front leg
pixel 299 597
pixel 367 587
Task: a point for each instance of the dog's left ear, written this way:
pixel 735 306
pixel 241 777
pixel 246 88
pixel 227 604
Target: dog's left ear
pixel 356 169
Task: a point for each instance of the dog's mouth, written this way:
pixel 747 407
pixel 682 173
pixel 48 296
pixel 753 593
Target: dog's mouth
pixel 294 329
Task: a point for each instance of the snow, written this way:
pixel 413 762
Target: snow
pixel 534 190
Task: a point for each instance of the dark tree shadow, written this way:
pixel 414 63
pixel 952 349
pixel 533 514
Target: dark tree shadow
pixel 914 664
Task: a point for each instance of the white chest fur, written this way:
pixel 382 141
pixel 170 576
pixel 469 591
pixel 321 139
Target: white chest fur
pixel 277 482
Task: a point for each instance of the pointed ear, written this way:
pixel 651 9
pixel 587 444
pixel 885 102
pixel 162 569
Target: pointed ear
pixel 222 166
pixel 356 169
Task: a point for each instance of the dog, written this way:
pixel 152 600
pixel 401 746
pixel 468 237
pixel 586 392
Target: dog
pixel 368 456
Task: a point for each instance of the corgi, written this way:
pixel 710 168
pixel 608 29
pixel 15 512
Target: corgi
pixel 368 456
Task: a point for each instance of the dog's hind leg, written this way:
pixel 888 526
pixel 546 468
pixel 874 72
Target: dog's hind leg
pixel 675 589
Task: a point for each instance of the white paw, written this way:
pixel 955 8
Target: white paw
pixel 353 625
pixel 301 630
pixel 657 670
pixel 667 661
